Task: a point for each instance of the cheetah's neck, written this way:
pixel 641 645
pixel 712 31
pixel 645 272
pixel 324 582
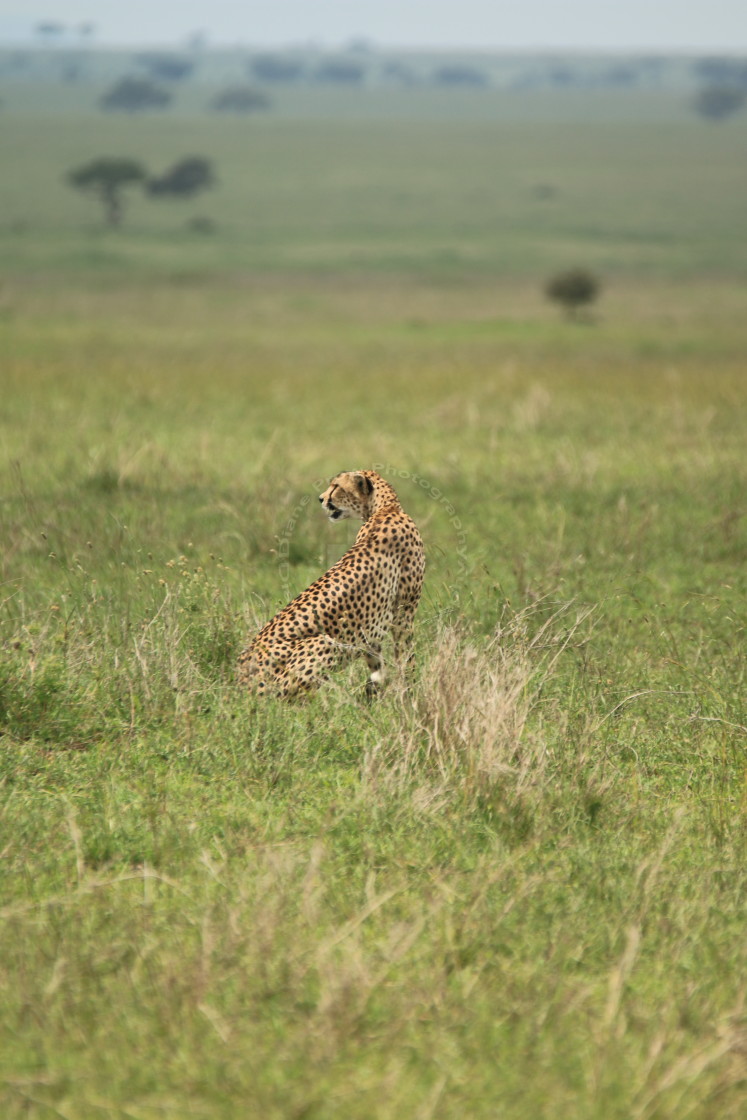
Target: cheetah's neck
pixel 384 496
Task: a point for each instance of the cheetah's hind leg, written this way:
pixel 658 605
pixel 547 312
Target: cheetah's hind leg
pixel 309 663
pixel 376 670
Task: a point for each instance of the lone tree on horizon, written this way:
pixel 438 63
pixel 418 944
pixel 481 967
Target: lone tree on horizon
pixel 573 289
pixel 166 67
pixel 107 178
pixel 50 31
pixel 240 99
pixel 134 95
pixel 184 179
pixel 716 103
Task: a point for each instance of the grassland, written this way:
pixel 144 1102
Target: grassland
pixel 532 185
pixel 515 886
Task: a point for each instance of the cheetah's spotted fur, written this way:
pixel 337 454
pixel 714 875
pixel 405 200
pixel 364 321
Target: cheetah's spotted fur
pixel 373 590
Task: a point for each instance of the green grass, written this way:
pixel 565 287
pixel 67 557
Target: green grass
pixel 517 886
pixel 513 886
pixel 429 197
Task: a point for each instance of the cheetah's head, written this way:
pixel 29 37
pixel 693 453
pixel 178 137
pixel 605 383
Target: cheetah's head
pixel 348 495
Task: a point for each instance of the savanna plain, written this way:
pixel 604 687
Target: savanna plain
pixel 515 884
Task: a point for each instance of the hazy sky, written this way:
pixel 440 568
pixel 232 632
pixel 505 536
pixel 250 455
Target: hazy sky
pixel 694 25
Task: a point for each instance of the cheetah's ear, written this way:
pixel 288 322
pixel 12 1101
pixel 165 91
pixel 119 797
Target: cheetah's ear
pixel 364 484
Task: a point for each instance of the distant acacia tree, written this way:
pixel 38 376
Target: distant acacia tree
pixel 459 75
pixel 197 40
pixel 240 99
pixel 573 289
pixel 394 70
pixel 49 31
pixel 715 103
pixel 276 68
pixel 345 71
pixel 134 95
pixel 724 72
pixel 106 178
pixel 184 179
pixel 620 75
pixel 167 67
pixel 562 76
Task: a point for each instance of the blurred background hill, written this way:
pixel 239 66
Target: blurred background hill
pixel 424 160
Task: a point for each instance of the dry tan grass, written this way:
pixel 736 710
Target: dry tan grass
pixel 464 727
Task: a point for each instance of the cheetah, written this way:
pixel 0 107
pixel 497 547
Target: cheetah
pixel 372 591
